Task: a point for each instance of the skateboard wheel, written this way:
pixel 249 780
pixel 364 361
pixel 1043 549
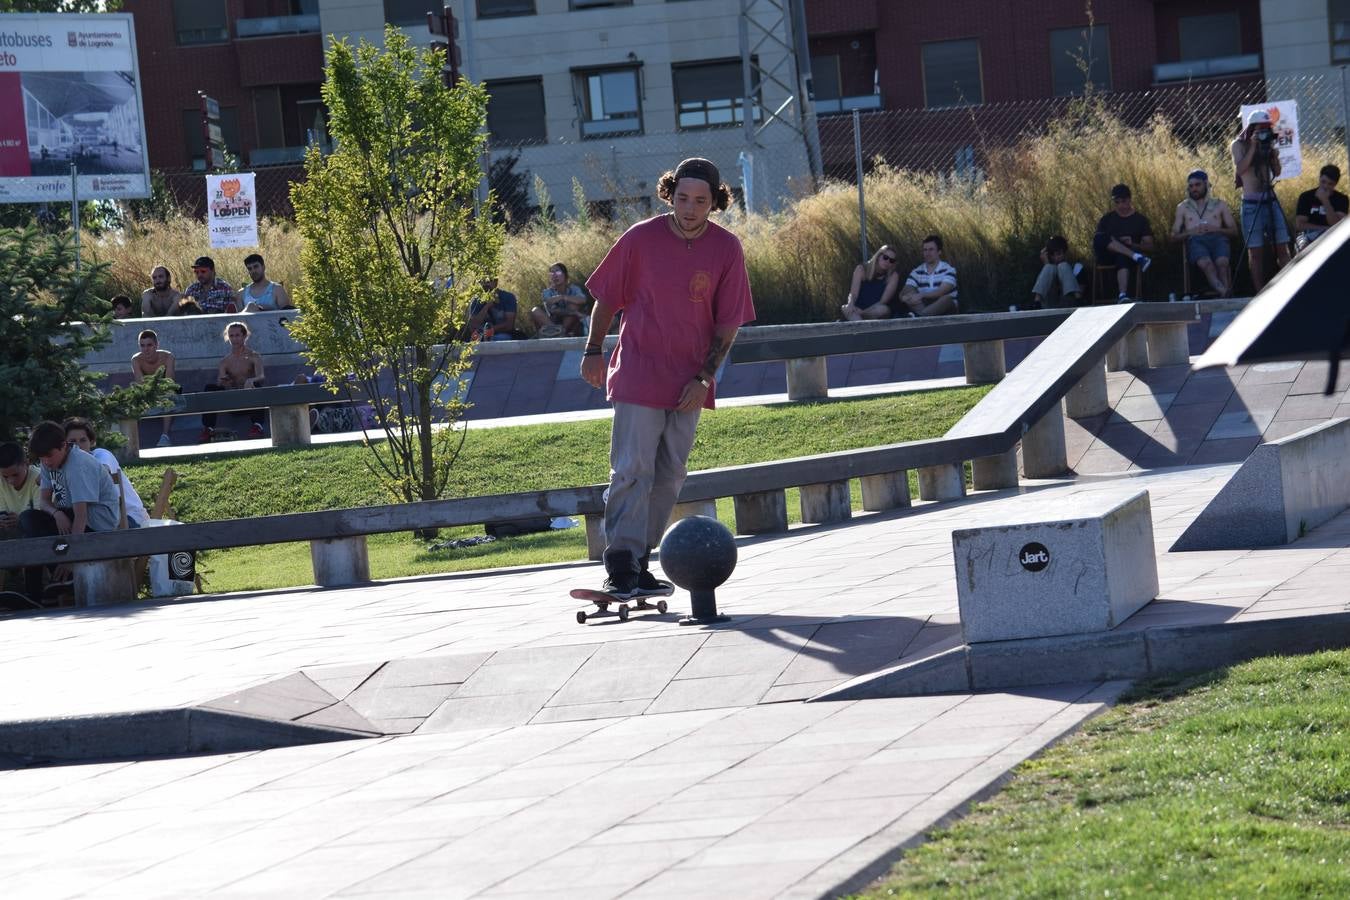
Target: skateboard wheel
pixel 661 607
pixel 581 617
pixel 623 612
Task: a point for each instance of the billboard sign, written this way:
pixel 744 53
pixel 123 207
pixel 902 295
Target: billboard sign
pixel 231 210
pixel 70 92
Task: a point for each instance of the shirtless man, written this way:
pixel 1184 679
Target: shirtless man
pixel 1206 224
pixel 147 362
pixel 242 367
pixel 261 295
pixel 162 298
pixel 1256 161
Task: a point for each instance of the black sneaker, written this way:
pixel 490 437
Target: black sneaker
pixel 648 585
pixel 623 585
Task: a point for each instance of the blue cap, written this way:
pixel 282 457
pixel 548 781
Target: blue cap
pixel 1198 174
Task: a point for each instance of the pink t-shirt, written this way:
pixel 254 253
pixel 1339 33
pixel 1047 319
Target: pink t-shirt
pixel 673 295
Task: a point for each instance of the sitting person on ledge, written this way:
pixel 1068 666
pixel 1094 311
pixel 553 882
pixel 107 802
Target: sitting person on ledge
pixel 1057 284
pixel 930 290
pixel 242 367
pixel 1121 235
pixel 1206 223
pixel 561 307
pixel 874 286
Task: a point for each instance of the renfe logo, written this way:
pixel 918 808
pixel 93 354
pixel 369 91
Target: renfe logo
pixel 1034 557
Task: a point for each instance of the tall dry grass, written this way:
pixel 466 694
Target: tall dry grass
pixel 800 259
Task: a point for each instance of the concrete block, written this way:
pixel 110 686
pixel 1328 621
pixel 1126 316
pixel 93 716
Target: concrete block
pixel 807 378
pixel 1168 344
pixel 889 490
pixel 1087 570
pixel 762 512
pixel 692 508
pixel 1195 648
pixel 984 362
pixel 340 561
pixel 290 425
pixel 1043 450
pixel 105 581
pixel 991 473
pixel 945 672
pixel 1130 352
pixel 595 536
pixel 826 502
pixel 999 665
pixel 1087 397
pixel 945 481
pixel 1286 488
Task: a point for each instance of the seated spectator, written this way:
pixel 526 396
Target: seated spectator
pixel 213 295
pixel 492 316
pixel 81 433
pixel 1320 208
pixel 242 367
pixel 262 295
pixel 562 305
pixel 187 306
pixel 147 362
pixel 930 290
pixel 122 308
pixel 77 493
pixel 1121 235
pixel 160 299
pixel 1206 224
pixel 1057 284
pixel 20 491
pixel 874 286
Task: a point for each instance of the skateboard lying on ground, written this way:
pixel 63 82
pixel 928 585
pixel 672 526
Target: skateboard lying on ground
pixel 15 602
pixel 624 605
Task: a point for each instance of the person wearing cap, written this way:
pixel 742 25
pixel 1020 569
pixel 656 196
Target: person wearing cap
pixel 1122 235
pixel 1206 224
pixel 1256 161
pixel 681 283
pixel 1320 208
pixel 213 295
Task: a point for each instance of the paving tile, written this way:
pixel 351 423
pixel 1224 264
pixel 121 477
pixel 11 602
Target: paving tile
pixel 1272 373
pixel 380 701
pixel 465 713
pixel 628 670
pixel 339 715
pixel 286 698
pixel 526 670
pixel 431 670
pixel 341 680
pixel 1203 390
pixel 713 692
pixel 1222 451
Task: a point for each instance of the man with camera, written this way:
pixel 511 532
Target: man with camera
pixel 1256 160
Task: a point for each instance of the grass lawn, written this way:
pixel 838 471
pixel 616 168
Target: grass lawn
pixel 501 460
pixel 1232 784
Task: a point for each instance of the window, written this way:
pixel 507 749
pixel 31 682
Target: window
pixel 1210 37
pixel 593 4
pixel 200 21
pixel 609 100
pixel 515 112
pixel 844 73
pixel 408 13
pixel 195 142
pixel 1079 56
pixel 712 93
pixel 1340 31
pixel 951 74
pixel 493 9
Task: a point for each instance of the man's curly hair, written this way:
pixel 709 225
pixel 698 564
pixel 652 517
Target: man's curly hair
pixel 665 189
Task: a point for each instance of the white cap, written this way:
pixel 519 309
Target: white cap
pixel 1258 117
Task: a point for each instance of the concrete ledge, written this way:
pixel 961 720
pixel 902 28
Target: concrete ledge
pixel 1286 488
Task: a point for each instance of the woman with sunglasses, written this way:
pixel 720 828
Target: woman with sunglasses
pixel 873 288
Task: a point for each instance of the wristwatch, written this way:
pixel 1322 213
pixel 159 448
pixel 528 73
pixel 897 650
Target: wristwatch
pixel 703 380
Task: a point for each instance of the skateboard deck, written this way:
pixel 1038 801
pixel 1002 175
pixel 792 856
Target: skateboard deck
pixel 16 602
pixel 623 605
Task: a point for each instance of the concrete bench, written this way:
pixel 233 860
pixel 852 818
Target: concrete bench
pixel 1286 488
pixel 1086 566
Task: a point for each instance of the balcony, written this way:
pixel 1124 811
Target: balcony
pixel 275 156
pixel 269 26
pixel 1216 67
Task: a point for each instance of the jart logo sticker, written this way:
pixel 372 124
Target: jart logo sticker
pixel 1033 557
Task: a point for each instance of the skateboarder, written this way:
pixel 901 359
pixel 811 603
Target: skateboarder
pixel 681 283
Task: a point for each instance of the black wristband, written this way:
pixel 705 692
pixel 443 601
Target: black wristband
pixel 593 351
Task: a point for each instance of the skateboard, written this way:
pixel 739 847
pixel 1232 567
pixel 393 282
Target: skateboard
pixel 16 602
pixel 603 601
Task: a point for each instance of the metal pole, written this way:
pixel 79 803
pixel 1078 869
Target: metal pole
pixel 75 209
pixel 747 97
pixel 1345 109
pixel 858 170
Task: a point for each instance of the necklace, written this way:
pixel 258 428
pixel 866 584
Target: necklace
pixel 689 237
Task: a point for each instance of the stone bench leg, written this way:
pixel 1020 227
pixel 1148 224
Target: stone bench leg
pixel 595 537
pixel 807 378
pixel 105 581
pixel 692 508
pixel 1087 397
pixel 762 512
pixel 826 502
pixel 889 490
pixel 1043 452
pixel 290 425
pixel 340 561
pixel 1168 344
pixel 131 430
pixel 985 362
pixel 1130 352
pixel 945 481
pixel 992 473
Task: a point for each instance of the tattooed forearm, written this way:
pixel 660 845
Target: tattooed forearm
pixel 717 351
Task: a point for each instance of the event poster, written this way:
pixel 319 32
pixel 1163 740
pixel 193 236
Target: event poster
pixel 1284 122
pixel 70 94
pixel 232 210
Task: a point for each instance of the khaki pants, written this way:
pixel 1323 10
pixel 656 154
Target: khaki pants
pixel 1060 276
pixel 647 454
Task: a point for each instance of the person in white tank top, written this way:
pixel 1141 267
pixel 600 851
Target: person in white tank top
pixel 261 295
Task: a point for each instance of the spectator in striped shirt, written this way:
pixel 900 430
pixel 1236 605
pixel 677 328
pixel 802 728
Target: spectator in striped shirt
pixel 930 290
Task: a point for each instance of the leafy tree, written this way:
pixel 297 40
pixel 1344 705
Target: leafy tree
pixel 64 6
pixel 49 319
pixel 393 251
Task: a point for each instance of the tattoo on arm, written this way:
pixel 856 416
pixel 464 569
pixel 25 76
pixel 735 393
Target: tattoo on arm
pixel 717 351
